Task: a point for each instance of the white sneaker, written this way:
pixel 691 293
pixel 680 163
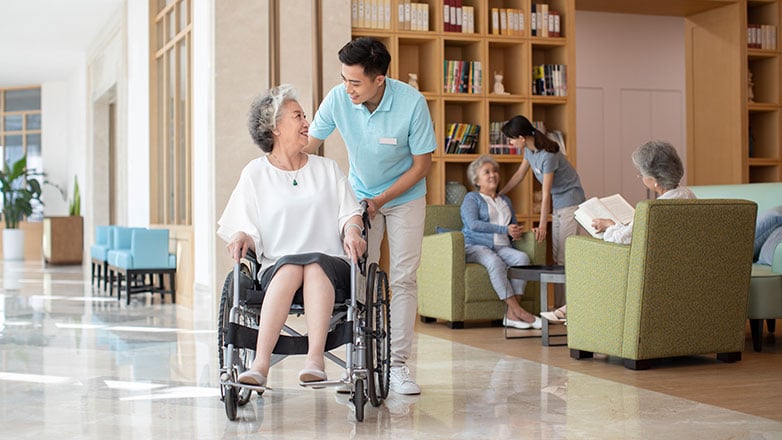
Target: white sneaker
pixel 400 405
pixel 401 383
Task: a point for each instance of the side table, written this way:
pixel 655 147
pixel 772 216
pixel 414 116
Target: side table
pixel 545 274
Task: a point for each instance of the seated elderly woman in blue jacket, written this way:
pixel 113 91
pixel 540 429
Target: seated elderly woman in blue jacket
pixel 489 227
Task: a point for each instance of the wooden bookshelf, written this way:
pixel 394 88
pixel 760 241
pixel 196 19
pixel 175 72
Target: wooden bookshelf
pixel 734 137
pixel 423 53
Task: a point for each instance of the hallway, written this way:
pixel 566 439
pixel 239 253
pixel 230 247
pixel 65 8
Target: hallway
pixel 75 363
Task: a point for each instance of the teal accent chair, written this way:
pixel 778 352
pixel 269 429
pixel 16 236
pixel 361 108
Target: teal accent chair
pixel 679 289
pixel 146 255
pixel 98 255
pixel 454 291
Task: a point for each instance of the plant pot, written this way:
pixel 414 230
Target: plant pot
pixel 13 244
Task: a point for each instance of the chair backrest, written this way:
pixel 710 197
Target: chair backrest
pixel 149 248
pixel 690 266
pixel 442 216
pixel 121 237
pixel 102 235
pixel 766 195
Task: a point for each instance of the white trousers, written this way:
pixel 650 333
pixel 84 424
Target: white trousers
pixel 405 225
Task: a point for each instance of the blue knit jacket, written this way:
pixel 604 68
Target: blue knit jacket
pixel 477 229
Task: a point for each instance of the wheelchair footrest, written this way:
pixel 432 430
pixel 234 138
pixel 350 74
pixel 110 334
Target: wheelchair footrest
pixel 246 337
pixel 244 385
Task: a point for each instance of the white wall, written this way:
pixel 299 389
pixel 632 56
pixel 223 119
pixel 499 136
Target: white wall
pixel 56 145
pixel 630 88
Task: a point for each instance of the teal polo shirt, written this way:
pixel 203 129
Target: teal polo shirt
pixel 381 144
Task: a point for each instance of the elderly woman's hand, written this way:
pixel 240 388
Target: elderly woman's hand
pixel 354 245
pixel 515 231
pixel 239 245
pixel 601 224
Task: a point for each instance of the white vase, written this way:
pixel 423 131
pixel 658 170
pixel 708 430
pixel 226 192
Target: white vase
pixel 454 193
pixel 13 244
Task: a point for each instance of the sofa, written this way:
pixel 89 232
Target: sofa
pixel 765 292
pixel 679 289
pixel 454 291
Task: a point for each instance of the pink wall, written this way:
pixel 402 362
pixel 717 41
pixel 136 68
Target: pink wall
pixel 630 88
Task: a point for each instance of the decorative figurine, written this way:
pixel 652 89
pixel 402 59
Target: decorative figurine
pixel 413 81
pixel 499 89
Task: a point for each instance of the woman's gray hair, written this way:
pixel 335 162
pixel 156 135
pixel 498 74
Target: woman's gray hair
pixel 472 169
pixel 265 113
pixel 660 161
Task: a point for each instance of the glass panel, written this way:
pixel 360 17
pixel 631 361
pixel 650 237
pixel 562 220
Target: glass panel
pixel 170 172
pixel 33 121
pixel 160 36
pixel 183 165
pixel 12 123
pixel 33 146
pixel 184 14
pixel 24 99
pixel 161 132
pixel 14 149
pixel 171 18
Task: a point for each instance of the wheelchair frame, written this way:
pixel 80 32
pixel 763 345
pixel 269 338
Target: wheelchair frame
pixel 363 327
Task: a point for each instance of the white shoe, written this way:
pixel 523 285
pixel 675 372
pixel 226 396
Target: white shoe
pixel 401 383
pixel 537 324
pixel 400 405
pixel 521 325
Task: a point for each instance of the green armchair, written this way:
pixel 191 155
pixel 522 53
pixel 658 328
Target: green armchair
pixel 454 291
pixel 680 288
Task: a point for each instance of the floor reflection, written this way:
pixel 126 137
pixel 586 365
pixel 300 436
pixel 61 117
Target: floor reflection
pixel 75 363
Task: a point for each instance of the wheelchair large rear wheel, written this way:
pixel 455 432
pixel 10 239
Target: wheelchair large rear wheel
pixel 242 357
pixel 378 334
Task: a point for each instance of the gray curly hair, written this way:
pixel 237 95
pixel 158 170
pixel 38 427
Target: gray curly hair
pixel 265 113
pixel 660 161
pixel 472 169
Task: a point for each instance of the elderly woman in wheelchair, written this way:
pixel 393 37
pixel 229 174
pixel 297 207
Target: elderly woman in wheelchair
pixel 298 215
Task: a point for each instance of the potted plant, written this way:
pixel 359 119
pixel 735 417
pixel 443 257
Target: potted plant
pixel 19 187
pixel 63 236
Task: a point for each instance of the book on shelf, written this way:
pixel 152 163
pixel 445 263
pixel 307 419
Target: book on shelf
pixel 559 138
pixel 374 14
pixel 762 36
pixel 613 207
pixel 462 138
pixel 462 76
pixel 549 80
pixel 544 22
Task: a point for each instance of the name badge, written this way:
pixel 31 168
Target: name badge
pixel 388 141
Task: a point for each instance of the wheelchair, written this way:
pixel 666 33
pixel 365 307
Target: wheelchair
pixel 360 324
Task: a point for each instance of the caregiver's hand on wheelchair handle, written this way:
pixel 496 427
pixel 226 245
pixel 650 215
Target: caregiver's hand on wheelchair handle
pixel 239 245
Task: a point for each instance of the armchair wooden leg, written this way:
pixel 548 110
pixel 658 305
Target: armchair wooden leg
pixel 756 327
pixel 456 325
pixel 426 319
pixel 638 364
pixel 580 354
pixel 729 357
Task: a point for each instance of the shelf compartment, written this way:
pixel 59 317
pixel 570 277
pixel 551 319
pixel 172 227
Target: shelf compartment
pixel 765 78
pixel 560 6
pixel 500 112
pixel 464 111
pixel 507 4
pixel 764 134
pixel 414 56
pixel 765 173
pixel 509 59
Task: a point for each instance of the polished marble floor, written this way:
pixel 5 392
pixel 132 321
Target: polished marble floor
pixel 75 364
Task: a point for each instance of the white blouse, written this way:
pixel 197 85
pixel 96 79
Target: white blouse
pixel 285 219
pixel 623 234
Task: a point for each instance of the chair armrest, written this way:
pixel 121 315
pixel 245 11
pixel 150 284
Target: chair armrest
pixel 534 249
pixel 596 275
pixel 441 273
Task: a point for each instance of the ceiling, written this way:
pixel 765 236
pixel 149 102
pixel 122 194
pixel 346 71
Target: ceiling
pixel 680 8
pixel 46 40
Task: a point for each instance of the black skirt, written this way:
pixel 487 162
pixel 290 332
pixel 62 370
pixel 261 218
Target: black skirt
pixel 336 269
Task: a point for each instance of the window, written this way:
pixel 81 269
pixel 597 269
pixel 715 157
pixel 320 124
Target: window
pixel 20 130
pixel 170 84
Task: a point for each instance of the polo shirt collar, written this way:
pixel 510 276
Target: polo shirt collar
pixel 385 103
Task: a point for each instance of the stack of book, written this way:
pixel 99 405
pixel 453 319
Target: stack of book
pixel 462 138
pixel 549 80
pixel 457 17
pixel 462 76
pixel 544 23
pixel 762 36
pixel 375 14
pixel 507 21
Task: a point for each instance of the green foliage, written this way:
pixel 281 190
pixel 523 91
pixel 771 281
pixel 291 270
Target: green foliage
pixel 75 207
pixel 19 187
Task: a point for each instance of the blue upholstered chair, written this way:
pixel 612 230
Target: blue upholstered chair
pixel 146 255
pixel 98 254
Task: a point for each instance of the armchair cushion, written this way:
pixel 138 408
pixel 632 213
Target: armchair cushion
pixel 680 288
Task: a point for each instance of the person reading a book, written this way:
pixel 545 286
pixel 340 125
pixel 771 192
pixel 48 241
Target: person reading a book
pixel 489 227
pixel 561 186
pixel 296 211
pixel 660 170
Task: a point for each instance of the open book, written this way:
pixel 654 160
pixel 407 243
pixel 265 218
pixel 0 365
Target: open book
pixel 614 207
